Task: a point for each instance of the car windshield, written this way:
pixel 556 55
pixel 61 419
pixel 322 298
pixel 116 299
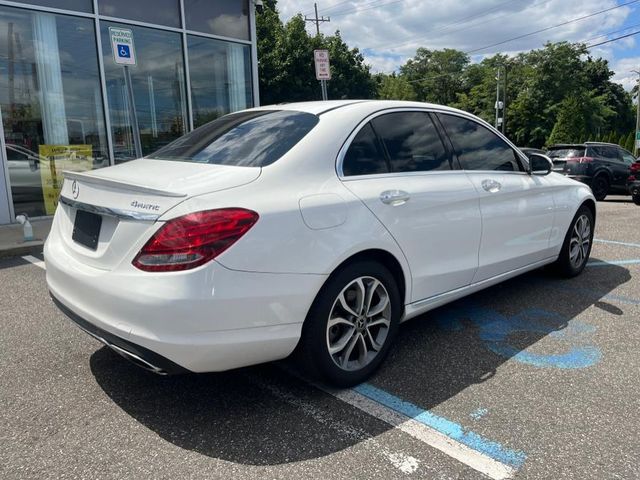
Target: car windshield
pixel 246 139
pixel 565 152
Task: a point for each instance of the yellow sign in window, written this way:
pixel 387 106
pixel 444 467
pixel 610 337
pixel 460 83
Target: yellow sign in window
pixel 53 160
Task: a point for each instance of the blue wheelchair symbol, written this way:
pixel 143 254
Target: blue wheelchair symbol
pixel 124 51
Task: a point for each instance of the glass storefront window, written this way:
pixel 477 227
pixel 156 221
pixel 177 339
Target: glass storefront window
pixel 220 78
pixel 51 104
pixel 85 6
pixel 161 12
pixel 159 90
pixel 228 18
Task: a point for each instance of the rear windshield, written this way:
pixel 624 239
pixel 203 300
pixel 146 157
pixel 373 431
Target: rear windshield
pixel 565 152
pixel 246 139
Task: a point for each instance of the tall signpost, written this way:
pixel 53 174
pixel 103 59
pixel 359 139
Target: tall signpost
pixel 124 54
pixel 323 70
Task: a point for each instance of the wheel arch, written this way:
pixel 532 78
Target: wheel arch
pixel 385 258
pixel 604 171
pixel 591 205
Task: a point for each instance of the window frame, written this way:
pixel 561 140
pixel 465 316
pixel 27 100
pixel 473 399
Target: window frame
pixel 381 147
pixel 524 161
pixel 453 161
pixel 390 161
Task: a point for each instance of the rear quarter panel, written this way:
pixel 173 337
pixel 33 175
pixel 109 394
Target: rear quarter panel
pixel 568 196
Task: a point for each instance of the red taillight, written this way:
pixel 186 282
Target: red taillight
pixel 194 239
pixel 580 160
pixel 635 167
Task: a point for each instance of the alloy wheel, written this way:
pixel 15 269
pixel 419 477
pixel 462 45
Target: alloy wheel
pixel 580 241
pixel 358 325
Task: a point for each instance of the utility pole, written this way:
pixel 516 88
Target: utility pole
pixel 504 103
pixel 317 20
pixel 497 99
pixel 636 139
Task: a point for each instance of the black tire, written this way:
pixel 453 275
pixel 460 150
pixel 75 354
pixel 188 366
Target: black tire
pixel 564 265
pixel 600 187
pixel 316 338
pixel 636 199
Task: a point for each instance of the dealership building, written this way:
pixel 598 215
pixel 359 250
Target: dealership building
pixel 90 83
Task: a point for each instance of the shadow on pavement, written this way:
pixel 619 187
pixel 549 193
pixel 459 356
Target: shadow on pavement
pixel 236 416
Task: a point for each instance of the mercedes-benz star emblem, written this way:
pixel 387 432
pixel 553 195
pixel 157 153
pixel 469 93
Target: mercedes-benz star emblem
pixel 75 189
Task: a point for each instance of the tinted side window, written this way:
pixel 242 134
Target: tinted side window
pixel 412 142
pixel 477 147
pixel 605 152
pixel 365 155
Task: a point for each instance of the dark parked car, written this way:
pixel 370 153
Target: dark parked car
pixel 602 166
pixel 633 183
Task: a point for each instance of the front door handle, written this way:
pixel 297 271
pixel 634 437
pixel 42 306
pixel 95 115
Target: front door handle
pixel 394 197
pixel 491 186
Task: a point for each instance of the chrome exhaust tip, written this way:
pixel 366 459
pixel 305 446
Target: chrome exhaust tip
pixel 140 362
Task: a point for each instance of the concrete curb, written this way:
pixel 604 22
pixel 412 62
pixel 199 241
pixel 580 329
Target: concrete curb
pixel 27 248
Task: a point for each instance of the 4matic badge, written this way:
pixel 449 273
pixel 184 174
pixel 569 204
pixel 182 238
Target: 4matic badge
pixel 145 206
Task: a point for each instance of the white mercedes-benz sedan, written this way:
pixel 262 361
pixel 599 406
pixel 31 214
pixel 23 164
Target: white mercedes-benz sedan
pixel 316 227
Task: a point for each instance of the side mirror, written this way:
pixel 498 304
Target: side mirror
pixel 540 164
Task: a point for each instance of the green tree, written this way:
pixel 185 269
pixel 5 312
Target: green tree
pixel 436 74
pixel 350 76
pixel 570 126
pixel 628 144
pixel 394 87
pixel 622 140
pixel 285 62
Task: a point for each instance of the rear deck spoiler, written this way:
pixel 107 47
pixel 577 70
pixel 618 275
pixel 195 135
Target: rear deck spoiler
pixel 110 182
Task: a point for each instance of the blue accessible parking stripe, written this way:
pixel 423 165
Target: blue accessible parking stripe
pixel 453 430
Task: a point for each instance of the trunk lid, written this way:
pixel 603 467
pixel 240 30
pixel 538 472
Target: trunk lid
pixel 128 199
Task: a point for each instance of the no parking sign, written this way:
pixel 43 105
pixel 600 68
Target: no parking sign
pixel 122 46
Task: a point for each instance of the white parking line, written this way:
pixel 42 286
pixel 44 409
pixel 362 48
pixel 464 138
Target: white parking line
pixel 36 261
pixel 443 435
pixel 470 457
pixel 407 464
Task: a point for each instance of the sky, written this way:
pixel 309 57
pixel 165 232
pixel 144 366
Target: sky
pixel 389 31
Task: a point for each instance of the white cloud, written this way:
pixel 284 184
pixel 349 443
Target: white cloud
pixel 389 31
pixel 624 71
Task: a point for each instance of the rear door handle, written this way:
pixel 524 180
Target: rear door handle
pixel 394 197
pixel 491 186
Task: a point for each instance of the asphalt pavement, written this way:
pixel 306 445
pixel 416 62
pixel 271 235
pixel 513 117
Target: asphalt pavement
pixel 539 376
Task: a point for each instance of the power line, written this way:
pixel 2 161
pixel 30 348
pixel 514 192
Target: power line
pixel 467 19
pixel 614 39
pixel 332 7
pixel 583 41
pixel 587 40
pixel 550 28
pixel 366 6
pixel 325 10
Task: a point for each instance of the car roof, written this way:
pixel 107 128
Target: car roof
pixel 320 107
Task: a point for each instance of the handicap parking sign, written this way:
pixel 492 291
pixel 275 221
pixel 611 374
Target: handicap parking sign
pixel 122 46
pixel 124 51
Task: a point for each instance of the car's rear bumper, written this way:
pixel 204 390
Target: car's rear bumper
pixel 208 319
pixel 141 356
